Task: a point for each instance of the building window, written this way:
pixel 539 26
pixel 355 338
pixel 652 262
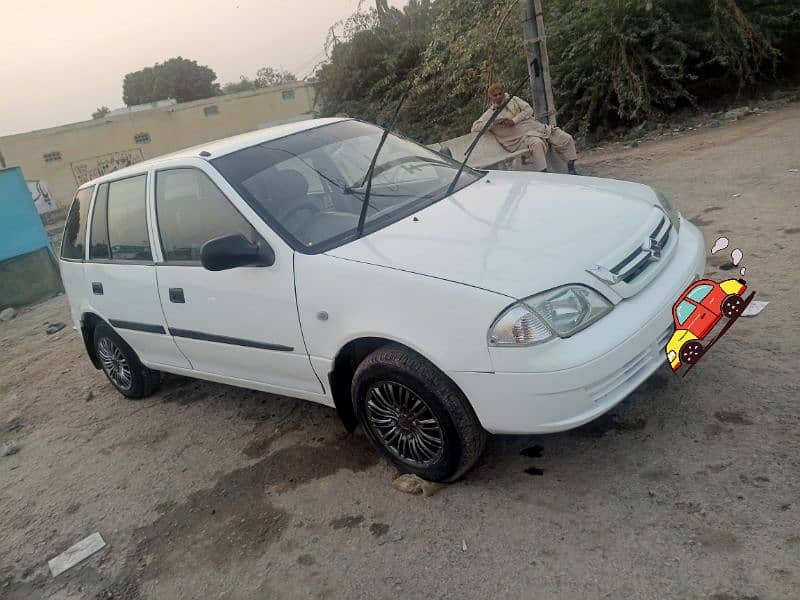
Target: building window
pixel 142 138
pixel 52 156
pixel 211 110
pixel 287 94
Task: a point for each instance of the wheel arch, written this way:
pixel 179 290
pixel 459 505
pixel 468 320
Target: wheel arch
pixel 89 321
pixel 344 367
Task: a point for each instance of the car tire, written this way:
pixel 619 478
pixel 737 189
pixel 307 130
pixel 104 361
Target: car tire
pixel 691 352
pixel 122 366
pixel 732 305
pixel 415 415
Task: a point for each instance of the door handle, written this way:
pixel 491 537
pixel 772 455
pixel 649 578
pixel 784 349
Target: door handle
pixel 176 295
pixel 97 288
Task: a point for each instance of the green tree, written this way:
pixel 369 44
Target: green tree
pixel 178 78
pixel 267 76
pixel 101 112
pixel 243 85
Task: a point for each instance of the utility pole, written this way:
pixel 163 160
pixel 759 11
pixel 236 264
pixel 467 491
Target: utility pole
pixel 538 65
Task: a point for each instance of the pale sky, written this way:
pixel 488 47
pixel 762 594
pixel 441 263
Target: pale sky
pixel 61 59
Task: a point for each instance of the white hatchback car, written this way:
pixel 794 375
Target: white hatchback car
pixel 520 303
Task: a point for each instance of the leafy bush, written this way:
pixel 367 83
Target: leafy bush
pixel 613 62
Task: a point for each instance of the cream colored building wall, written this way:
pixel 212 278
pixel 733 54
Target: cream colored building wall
pixel 92 147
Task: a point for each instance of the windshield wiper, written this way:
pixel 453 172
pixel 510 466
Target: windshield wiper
pixel 365 201
pixel 483 130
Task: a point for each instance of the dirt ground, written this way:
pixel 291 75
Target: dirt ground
pixel 689 489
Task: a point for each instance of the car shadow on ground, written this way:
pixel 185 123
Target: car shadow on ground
pixel 274 417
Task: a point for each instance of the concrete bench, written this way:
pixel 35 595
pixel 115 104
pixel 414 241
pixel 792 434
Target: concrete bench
pixel 487 154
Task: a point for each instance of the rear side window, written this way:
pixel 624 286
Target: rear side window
pixel 75 229
pixel 192 210
pixel 127 220
pixel 98 240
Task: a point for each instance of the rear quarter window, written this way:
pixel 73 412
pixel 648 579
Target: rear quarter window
pixel 72 245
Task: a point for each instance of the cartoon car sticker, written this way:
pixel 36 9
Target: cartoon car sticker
pixel 695 314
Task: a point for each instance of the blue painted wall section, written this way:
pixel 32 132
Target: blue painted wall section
pixel 21 229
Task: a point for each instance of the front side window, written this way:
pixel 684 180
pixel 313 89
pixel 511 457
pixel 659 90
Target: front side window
pixel 684 311
pixel 127 220
pixel 75 228
pixel 309 186
pixel 700 292
pixel 191 210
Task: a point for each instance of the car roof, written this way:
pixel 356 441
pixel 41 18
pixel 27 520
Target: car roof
pixel 218 148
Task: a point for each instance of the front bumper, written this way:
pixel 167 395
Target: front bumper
pixel 570 382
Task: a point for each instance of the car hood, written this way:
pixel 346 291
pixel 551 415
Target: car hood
pixel 519 233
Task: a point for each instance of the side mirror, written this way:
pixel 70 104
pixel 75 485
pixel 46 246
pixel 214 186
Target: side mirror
pixel 445 151
pixel 231 251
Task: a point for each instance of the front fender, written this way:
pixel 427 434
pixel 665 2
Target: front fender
pixel 445 322
pixel 678 339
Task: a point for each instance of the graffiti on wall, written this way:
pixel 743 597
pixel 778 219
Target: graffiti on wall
pixel 88 168
pixel 41 196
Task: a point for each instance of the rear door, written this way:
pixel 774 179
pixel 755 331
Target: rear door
pixel 240 323
pixel 120 273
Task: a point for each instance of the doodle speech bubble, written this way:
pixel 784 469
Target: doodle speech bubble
pixel 720 244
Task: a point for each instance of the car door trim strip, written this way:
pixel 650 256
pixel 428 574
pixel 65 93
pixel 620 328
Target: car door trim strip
pixel 137 326
pixel 224 339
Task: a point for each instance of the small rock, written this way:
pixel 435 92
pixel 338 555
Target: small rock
pixel 429 488
pixel 89 396
pixel 9 448
pixel 8 313
pixel 715 124
pixel 54 328
pixel 737 113
pixel 408 483
pixel 392 539
pixel 463 545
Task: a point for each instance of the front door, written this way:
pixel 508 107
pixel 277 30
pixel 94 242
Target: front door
pixel 696 318
pixel 240 323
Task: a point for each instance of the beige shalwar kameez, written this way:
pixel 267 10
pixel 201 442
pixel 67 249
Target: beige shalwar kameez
pixel 528 133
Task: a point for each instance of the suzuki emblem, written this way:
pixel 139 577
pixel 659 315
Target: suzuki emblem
pixel 654 249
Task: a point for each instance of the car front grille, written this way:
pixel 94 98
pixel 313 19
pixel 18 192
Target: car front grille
pixel 633 265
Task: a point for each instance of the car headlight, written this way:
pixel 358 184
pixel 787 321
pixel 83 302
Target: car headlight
pixel 671 356
pixel 672 212
pixel 561 312
pixel 518 325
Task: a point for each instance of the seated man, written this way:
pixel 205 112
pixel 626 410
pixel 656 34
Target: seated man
pixel 516 129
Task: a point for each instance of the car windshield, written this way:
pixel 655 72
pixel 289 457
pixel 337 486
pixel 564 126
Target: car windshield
pixel 684 310
pixel 309 186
